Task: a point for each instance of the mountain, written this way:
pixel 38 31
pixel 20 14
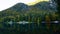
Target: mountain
pixel 41 5
pixel 19 7
pixel 45 6
pixel 21 11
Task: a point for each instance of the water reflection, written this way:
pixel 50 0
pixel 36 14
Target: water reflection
pixel 22 22
pixel 56 21
pixel 26 22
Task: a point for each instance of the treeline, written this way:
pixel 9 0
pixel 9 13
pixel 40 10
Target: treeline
pixel 35 15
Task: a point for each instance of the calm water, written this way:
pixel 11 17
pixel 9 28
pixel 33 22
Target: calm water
pixel 23 27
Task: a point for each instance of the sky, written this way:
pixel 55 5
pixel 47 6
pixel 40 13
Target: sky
pixel 4 4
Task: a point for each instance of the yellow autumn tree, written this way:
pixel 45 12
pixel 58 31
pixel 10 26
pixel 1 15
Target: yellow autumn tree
pixel 47 19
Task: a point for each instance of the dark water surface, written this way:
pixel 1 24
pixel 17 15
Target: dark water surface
pixel 32 28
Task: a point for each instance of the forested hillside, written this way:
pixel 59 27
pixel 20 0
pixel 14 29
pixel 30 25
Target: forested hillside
pixel 22 12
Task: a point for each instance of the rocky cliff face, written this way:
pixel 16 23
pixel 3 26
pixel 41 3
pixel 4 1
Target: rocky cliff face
pixel 53 4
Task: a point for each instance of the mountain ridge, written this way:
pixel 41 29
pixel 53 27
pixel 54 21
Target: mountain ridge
pixel 41 5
